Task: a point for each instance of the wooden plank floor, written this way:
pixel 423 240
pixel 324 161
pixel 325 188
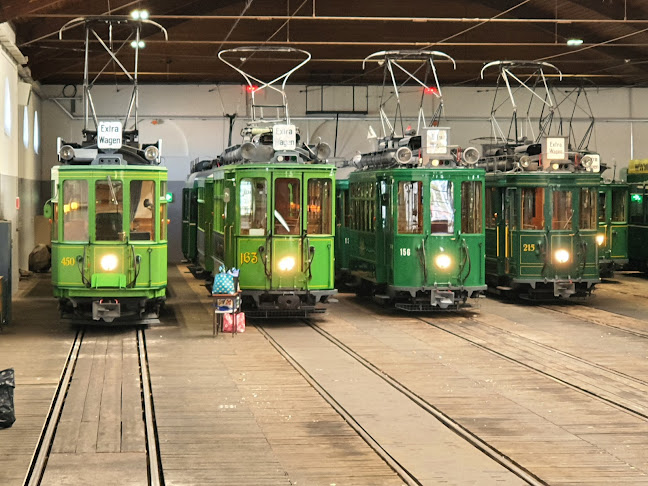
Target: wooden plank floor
pixel 36 346
pixel 231 410
pixel 101 431
pixel 560 434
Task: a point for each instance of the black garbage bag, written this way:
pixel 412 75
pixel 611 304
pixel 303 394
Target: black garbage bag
pixel 7 385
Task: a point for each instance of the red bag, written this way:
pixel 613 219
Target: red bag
pixel 228 322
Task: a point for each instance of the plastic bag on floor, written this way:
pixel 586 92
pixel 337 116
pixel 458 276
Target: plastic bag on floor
pixel 7 385
pixel 228 322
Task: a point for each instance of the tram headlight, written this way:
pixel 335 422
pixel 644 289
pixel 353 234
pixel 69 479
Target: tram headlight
pixel 286 264
pixel 435 162
pixel 151 153
pixel 442 261
pixel 109 262
pixel 561 256
pixel 66 152
pixel 600 239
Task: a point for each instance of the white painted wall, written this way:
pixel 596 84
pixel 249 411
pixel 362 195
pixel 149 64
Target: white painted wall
pixel 190 120
pixel 20 167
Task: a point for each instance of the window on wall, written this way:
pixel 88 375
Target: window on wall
pixel 26 127
pixel 36 133
pixel 7 108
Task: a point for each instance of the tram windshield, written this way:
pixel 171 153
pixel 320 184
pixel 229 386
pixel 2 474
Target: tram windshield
pixel 441 206
pixel 636 205
pixel 619 202
pixel 471 207
pixel 563 211
pixel 142 199
pixel 109 198
pixel 253 201
pixel 75 210
pixel 319 207
pixel 287 212
pixel 533 208
pixel 588 200
pixel 410 207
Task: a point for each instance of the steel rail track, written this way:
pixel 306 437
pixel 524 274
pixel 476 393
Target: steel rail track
pixel 445 419
pixel 404 474
pixel 40 457
pixel 565 353
pixel 41 453
pixel 573 386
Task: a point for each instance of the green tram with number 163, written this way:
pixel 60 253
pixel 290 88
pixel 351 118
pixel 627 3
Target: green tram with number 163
pixel 266 207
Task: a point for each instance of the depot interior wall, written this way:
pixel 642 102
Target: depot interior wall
pixel 191 120
pixel 20 166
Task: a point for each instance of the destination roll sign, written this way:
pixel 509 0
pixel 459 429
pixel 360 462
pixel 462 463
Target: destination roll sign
pixel 109 135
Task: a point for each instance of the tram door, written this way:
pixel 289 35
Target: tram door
pixel 384 236
pixel 507 227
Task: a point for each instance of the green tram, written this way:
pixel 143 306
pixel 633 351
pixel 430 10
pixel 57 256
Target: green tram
pixel 638 214
pixel 612 237
pixel 109 234
pixel 541 230
pixel 413 236
pixel 273 221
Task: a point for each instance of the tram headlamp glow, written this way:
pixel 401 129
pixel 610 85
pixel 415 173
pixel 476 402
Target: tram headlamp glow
pixel 109 262
pixel 151 153
pixel 600 239
pixel 286 264
pixel 561 256
pixel 435 162
pixel 442 261
pixel 66 152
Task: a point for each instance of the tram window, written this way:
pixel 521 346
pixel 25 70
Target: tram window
pixel 287 212
pixel 588 208
pixel 471 207
pixel 384 204
pixel 602 204
pixel 163 221
pixel 142 205
pixel 562 210
pixel 253 202
pixel 619 202
pixel 533 208
pixel 441 207
pixel 636 206
pixel 410 207
pixel 492 205
pixel 219 206
pixel 75 211
pixel 319 206
pixel 109 208
pixel 55 220
pixel 347 209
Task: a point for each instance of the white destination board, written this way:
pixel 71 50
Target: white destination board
pixel 109 135
pixel 555 148
pixel 437 141
pixel 284 137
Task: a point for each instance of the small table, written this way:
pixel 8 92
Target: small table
pixel 225 304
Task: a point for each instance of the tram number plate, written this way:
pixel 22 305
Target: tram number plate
pixel 405 252
pixel 284 137
pixel 249 257
pixel 528 247
pixel 67 261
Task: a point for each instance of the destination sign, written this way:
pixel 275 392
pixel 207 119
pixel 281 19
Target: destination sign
pixel 284 137
pixel 638 166
pixel 109 135
pixel 554 148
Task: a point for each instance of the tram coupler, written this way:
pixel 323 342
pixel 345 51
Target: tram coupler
pixel 108 311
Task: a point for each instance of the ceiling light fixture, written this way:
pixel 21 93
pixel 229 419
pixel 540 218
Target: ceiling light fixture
pixel 574 42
